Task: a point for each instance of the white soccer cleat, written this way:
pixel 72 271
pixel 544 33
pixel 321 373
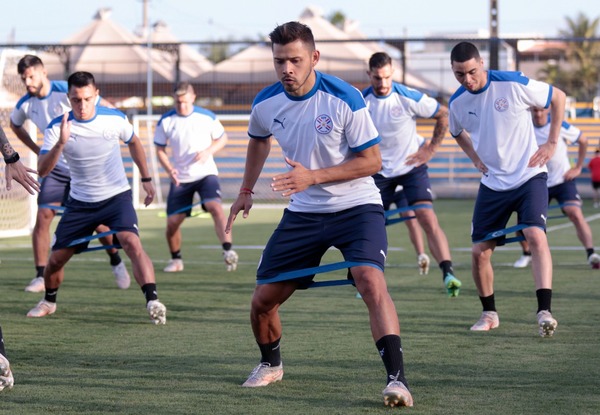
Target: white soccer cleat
pixel 423 264
pixel 6 377
pixel 522 262
pixel 264 374
pixel 397 394
pixel 174 265
pixel 43 308
pixel 594 261
pixel 489 320
pixel 157 312
pixel 231 260
pixel 121 276
pixel 547 323
pixel 36 285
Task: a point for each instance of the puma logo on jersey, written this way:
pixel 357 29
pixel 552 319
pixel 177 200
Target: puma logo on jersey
pixel 279 122
pixel 473 113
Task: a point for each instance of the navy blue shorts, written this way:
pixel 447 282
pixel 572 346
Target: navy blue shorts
pixel 493 209
pixel 80 219
pixel 415 185
pixel 564 192
pixel 55 187
pixel 301 239
pixel 181 197
pixel 399 199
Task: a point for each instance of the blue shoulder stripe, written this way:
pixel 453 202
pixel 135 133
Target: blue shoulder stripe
pixel 267 93
pixel 59 86
pixel 204 111
pixel 167 114
pixel 508 76
pixel 407 92
pixel 22 100
pixel 342 90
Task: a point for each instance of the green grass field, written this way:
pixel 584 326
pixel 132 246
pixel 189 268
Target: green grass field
pixel 100 354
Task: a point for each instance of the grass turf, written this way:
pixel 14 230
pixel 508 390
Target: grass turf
pixel 100 354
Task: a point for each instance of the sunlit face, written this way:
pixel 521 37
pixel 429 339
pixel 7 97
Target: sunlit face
pixel 539 116
pixel 381 80
pixel 34 78
pixel 83 101
pixel 294 64
pixel 184 104
pixel 470 74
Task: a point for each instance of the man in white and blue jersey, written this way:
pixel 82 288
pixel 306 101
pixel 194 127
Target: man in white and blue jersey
pixel 395 108
pixel 490 119
pixel 331 150
pixel 194 135
pixel 561 182
pixel 44 101
pixel 89 137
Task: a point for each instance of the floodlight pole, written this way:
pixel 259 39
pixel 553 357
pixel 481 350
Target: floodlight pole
pixel 494 41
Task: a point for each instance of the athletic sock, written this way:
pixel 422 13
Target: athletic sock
pixel 39 271
pixel 51 294
pixel 270 353
pixel 227 246
pixel 2 351
pixel 446 267
pixel 544 298
pixel 527 253
pixel 149 291
pixel 488 303
pixel 589 251
pixel 176 254
pixel 115 259
pixel 390 350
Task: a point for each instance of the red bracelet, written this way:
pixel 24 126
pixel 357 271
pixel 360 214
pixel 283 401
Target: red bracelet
pixel 247 191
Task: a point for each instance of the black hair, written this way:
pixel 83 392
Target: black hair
pixel 379 60
pixel 463 52
pixel 290 32
pixel 28 61
pixel 81 79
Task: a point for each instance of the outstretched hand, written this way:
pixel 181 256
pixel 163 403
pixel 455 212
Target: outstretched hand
pixel 18 172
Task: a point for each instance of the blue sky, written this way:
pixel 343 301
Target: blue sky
pixel 50 21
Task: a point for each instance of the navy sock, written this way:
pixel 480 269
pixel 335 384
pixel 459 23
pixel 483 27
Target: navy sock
pixel 227 246
pixel 149 291
pixel 488 303
pixel 115 259
pixel 39 271
pixel 589 251
pixel 544 298
pixel 270 352
pixel 390 350
pixel 176 254
pixel 51 294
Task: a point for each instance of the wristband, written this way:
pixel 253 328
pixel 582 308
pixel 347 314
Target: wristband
pixel 146 179
pixel 247 191
pixel 13 158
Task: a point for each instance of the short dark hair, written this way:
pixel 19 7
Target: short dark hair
pixel 290 32
pixel 183 88
pixel 81 79
pixel 379 60
pixel 28 61
pixel 463 52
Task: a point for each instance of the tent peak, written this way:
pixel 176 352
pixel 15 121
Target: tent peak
pixel 311 11
pixel 103 13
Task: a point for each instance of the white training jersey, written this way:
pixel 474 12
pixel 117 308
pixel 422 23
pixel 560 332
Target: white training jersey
pixel 93 152
pixel 395 117
pixel 187 135
pixel 498 119
pixel 43 110
pixel 321 129
pixel 559 164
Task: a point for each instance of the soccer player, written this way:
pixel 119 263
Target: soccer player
pixel 194 134
pixel 395 108
pixel 561 182
pixel 594 166
pixel 45 100
pixel 490 119
pixel 89 137
pixel 14 170
pixel 330 147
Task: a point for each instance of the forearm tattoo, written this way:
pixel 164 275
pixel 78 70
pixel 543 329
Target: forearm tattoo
pixel 5 146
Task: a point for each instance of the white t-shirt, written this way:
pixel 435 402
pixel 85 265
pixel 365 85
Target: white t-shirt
pixel 395 117
pixel 498 120
pixel 559 164
pixel 323 128
pixel 93 152
pixel 187 135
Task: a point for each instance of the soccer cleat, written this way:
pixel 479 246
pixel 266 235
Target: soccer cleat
pixel 452 285
pixel 263 374
pixel 174 265
pixel 396 394
pixel 36 285
pixel 594 261
pixel 522 262
pixel 488 320
pixel 157 311
pixel 121 276
pixel 43 308
pixel 423 264
pixel 547 323
pixel 231 259
pixel 6 377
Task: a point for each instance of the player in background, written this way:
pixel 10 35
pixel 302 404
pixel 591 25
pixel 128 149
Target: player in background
pixel 331 150
pixel 89 137
pixel 594 166
pixel 561 182
pixel 491 121
pixel 44 101
pixel 194 135
pixel 395 109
